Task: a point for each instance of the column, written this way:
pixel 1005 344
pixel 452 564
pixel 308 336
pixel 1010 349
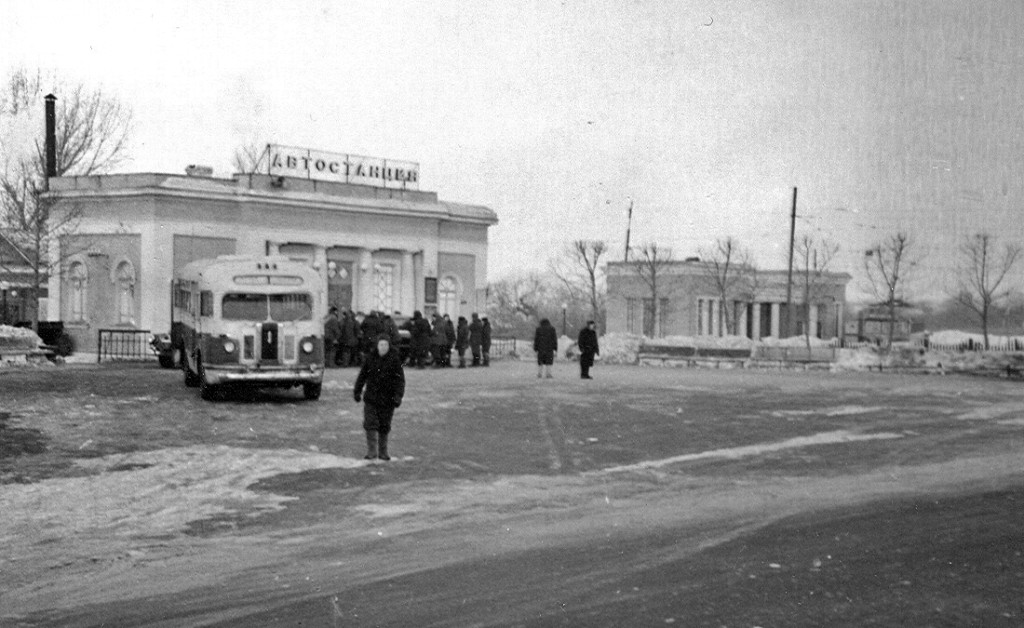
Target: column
pixel 320 264
pixel 741 320
pixel 53 283
pixel 775 319
pixel 362 284
pixel 714 314
pixel 273 248
pixel 408 296
pixel 812 319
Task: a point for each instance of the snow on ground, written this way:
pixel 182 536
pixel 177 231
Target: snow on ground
pixel 151 492
pixel 732 453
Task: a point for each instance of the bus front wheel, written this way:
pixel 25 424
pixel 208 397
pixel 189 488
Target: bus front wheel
pixel 206 390
pixel 191 378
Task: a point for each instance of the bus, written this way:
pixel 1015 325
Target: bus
pixel 240 321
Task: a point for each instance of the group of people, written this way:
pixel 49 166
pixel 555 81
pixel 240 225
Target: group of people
pixel 349 338
pixel 380 385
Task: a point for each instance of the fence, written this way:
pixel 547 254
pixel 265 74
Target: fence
pixel 501 347
pixel 123 344
pixel 796 354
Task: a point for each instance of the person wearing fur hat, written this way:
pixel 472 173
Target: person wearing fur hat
pixel 384 380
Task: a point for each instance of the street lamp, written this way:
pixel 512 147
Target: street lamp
pixel 565 306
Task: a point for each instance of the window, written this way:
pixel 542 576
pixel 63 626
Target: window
pixel 238 306
pixel 125 285
pixel 206 303
pixel 384 287
pixel 78 280
pixel 448 297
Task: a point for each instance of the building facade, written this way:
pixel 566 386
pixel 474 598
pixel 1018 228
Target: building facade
pixel 690 305
pixel 382 248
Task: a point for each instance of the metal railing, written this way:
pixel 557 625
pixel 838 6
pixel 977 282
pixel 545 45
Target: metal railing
pixel 123 344
pixel 501 347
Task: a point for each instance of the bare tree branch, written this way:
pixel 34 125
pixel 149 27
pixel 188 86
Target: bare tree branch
pixel 731 271
pixel 650 262
pixel 982 274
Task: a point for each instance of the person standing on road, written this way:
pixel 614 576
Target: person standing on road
pixel 332 338
pixel 545 343
pixel 485 340
pixel 384 379
pixel 462 340
pixel 449 339
pixel 420 331
pixel 476 338
pixel 438 339
pixel 349 339
pixel 587 343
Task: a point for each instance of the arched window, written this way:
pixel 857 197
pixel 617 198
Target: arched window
pixel 78 284
pixel 448 297
pixel 125 284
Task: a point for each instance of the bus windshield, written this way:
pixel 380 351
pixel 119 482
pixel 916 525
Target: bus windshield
pixel 239 306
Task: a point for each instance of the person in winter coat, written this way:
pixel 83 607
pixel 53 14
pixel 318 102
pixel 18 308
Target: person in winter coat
pixel 370 328
pixel 384 380
pixel 485 340
pixel 332 338
pixel 419 328
pixel 587 343
pixel 449 339
pixel 476 338
pixel 545 343
pixel 349 339
pixel 462 340
pixel 438 339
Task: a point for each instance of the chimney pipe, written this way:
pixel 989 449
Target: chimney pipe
pixel 51 138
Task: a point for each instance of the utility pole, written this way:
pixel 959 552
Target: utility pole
pixel 629 223
pixel 789 275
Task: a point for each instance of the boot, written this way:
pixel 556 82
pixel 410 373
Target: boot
pixel 371 445
pixel 384 447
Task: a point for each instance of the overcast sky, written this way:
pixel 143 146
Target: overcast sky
pixel 557 115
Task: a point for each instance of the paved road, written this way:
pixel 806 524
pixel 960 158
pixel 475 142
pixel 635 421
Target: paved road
pixel 644 497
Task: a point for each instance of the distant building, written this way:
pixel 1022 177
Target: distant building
pixel 380 243
pixel 691 306
pixel 874 322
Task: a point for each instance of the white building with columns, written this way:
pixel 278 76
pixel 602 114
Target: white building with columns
pixel 690 305
pixel 380 245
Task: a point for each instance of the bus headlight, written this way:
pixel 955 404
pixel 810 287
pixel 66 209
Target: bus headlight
pixel 307 346
pixel 229 346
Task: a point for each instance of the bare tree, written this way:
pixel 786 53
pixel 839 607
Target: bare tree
pixel 580 272
pixel 517 300
pixel 650 263
pixel 887 265
pixel 248 157
pixel 92 130
pixel 814 258
pixel 731 271
pixel 981 275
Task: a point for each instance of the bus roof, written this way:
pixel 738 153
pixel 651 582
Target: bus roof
pixel 225 268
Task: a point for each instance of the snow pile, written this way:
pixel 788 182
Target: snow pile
pixel 956 338
pixel 619 348
pixel 18 338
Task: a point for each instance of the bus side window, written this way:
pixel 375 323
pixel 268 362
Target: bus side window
pixel 206 303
